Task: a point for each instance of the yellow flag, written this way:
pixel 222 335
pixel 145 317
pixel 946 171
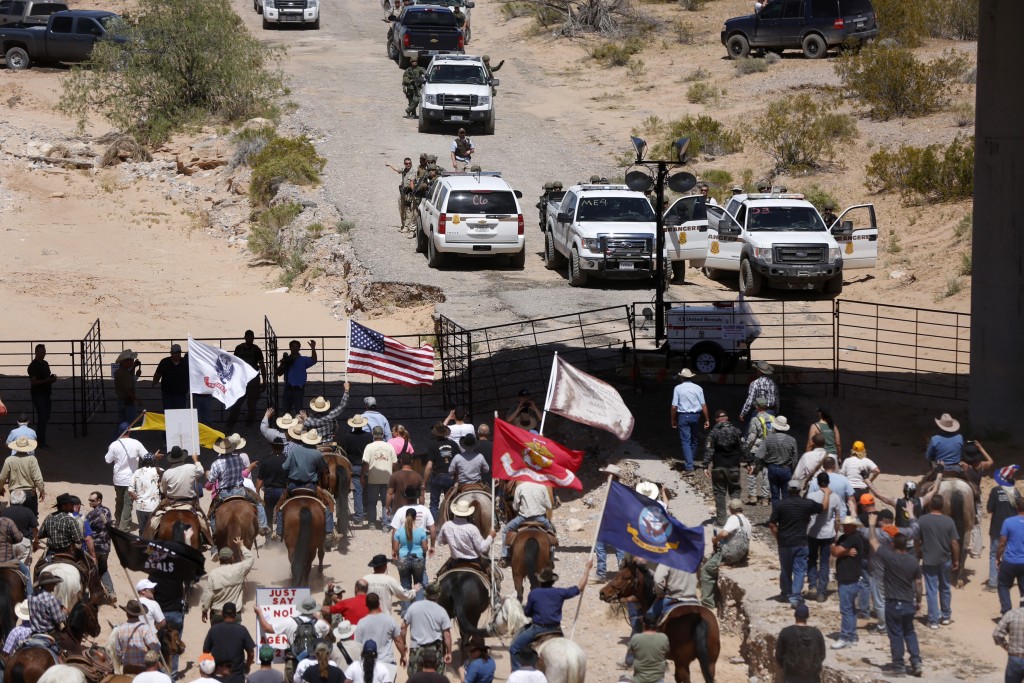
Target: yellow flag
pixel 155 422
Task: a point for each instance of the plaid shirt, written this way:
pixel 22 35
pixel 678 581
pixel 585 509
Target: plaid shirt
pixel 100 518
pixel 762 387
pixel 45 611
pixel 326 423
pixel 61 532
pixel 1010 632
pixel 131 641
pixel 227 471
pixel 15 638
pixel 777 449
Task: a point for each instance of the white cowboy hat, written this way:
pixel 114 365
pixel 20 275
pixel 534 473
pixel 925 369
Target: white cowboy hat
pixel 344 630
pixel 312 437
pixel 764 367
pixel 21 611
pixel 237 442
pixel 23 444
pixel 648 488
pixel 127 354
pixel 462 508
pixel 223 446
pixel 947 424
pixel 320 404
pixel 357 420
pixel 611 469
pixel 687 373
pixel 780 424
pixel 295 431
pixel 286 421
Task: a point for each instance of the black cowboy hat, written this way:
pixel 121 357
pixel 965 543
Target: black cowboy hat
pixel 440 430
pixel 378 561
pixel 411 492
pixel 176 455
pixel 546 576
pixel 67 499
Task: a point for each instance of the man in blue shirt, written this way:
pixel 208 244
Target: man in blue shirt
pixel 22 430
pixel 945 449
pixel 840 486
pixel 687 405
pixel 1010 557
pixel 544 606
pixel 293 368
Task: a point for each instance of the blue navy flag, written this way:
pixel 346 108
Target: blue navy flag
pixel 638 525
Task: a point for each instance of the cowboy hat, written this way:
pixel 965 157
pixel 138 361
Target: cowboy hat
pixel 764 367
pixel 440 430
pixel 177 455
pixel 21 611
pixel 308 606
pixel 344 630
pixel 546 575
pixel 237 442
pixel 223 445
pixel 48 579
pixel 647 488
pixel 134 608
pixel 23 444
pixel 66 499
pixel 686 373
pixel 850 520
pixel 780 424
pixel 462 508
pixel 127 354
pixel 378 561
pixel 320 404
pixel 312 437
pixel 295 431
pixel 411 492
pixel 947 424
pixel 611 469
pixel 357 421
pixel 286 421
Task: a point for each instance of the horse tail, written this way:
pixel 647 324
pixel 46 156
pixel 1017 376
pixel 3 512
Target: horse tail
pixel 700 637
pixel 302 544
pixel 957 510
pixel 531 554
pixel 466 627
pixel 6 609
pixel 178 531
pixel 16 674
pixel 575 665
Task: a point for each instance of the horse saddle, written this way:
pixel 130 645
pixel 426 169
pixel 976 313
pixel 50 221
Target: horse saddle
pixel 471 566
pixel 85 568
pixel 93 662
pixel 544 637
pixel 684 609
pixel 43 641
pixel 298 494
pixel 218 501
pixel 532 525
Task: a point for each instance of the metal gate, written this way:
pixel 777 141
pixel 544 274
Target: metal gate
pixel 93 397
pixel 272 386
pixel 455 349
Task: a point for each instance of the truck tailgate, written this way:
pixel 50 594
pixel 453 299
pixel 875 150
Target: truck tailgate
pixel 483 229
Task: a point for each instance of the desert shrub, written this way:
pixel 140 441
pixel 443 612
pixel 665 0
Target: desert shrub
pixel 956 19
pixel 820 197
pixel 292 160
pixel 617 54
pixel 611 18
pixel 801 133
pixel 636 68
pixel 515 9
pixel 698 74
pixel 954 286
pixel 964 230
pixel 248 143
pixel 893 245
pixel 294 264
pixel 966 264
pixel 684 32
pixel 265 243
pixel 970 76
pixel 692 5
pixel 162 78
pixel 892 82
pixel 772 58
pixel 964 114
pixel 935 172
pixel 707 136
pixel 701 93
pixel 905 22
pixel 750 65
pixel 344 227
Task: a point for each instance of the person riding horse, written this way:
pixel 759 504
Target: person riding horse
pixel 544 607
pixel 226 476
pixel 64 536
pixel 532 503
pixel 180 484
pixel 467 544
pixel 305 467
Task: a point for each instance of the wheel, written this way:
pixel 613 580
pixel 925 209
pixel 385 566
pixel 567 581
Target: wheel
pixel 814 46
pixel 316 24
pixel 424 126
pixel 737 46
pixel 668 272
pixel 266 24
pixel 518 260
pixel 392 50
pixel 434 258
pixel 421 239
pixel 489 124
pixel 678 273
pixel 834 286
pixel 552 259
pixel 403 61
pixel 750 280
pixel 706 358
pixel 712 273
pixel 577 276
pixel 17 59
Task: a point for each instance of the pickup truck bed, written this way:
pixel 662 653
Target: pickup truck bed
pixel 68 37
pixel 419 32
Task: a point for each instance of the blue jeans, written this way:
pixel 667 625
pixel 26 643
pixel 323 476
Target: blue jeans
pixel 523 640
pixel 688 436
pixel 516 522
pixel 261 514
pixel 818 555
pixel 848 611
pixel 864 597
pixel 601 550
pixel 877 587
pixel 271 494
pixel 899 623
pixel 1008 573
pixel 1014 670
pixel 23 568
pixel 937 589
pixel 778 479
pixel 793 561
pixel 993 567
pixel 636 620
pixel 328 517
pixel 357 495
pixel 440 483
pixel 412 569
pixel 175 620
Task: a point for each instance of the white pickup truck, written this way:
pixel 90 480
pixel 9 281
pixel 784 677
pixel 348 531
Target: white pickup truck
pixel 457 90
pixel 598 229
pixel 780 240
pixel 304 12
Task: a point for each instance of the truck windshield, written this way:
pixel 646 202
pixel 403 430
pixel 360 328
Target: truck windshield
pixel 428 18
pixel 784 219
pixel 482 201
pixel 458 73
pixel 614 209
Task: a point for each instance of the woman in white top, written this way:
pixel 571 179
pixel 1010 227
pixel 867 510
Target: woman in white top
pixel 859 468
pixel 461 427
pixel 368 669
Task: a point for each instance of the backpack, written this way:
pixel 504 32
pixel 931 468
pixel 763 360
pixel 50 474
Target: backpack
pixel 305 637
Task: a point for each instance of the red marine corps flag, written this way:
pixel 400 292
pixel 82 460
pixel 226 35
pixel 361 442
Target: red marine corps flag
pixel 520 455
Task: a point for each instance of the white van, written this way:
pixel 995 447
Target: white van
pixel 712 336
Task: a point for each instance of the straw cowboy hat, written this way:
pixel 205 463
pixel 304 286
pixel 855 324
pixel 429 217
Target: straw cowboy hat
pixel 295 431
pixel 127 354
pixel 223 446
pixel 947 424
pixel 23 444
pixel 686 373
pixel 357 421
pixel 237 442
pixel 780 424
pixel 312 437
pixel 286 421
pixel 647 488
pixel 462 508
pixel 764 367
pixel 344 630
pixel 320 404
pixel 21 611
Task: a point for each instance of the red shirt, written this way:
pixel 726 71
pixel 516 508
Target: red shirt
pixel 353 609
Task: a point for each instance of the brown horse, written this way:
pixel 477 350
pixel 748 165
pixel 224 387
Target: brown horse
pixel 170 518
pixel 530 552
pixel 236 517
pixel 692 632
pixel 303 518
pixel 12 591
pixel 27 664
pixel 483 508
pixel 338 483
pixel 958 502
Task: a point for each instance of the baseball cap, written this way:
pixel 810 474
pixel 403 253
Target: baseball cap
pixel 144 585
pixel 801 611
pixel 229 609
pixel 206 663
pixel 266 654
pixel 866 499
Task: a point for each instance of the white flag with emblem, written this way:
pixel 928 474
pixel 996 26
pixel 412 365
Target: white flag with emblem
pixel 583 398
pixel 218 373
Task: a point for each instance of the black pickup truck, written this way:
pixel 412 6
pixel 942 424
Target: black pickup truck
pixel 421 32
pixel 68 37
pixel 28 12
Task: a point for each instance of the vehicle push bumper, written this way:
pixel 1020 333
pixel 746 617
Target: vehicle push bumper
pixel 797 276
pixel 440 115
pixel 623 258
pixel 285 16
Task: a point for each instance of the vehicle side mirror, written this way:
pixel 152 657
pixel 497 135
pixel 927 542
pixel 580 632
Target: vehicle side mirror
pixel 844 228
pixel 563 217
pixel 518 194
pixel 495 82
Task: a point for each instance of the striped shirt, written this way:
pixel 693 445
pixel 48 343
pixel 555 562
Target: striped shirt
pixel 45 612
pixel 131 641
pixel 227 471
pixel 326 423
pixel 762 387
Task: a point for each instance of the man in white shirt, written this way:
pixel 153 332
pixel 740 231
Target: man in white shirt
pixel 821 534
pixel 154 615
pixel 687 405
pixel 532 503
pixel 811 461
pixel 460 428
pixel 124 455
pixel 731 546
pixel 386 587
pixel 463 538
pixel 379 459
pixel 308 613
pixel 152 674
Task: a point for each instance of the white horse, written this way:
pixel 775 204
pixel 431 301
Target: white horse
pixel 69 590
pixel 562 660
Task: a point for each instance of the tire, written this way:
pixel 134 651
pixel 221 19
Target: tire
pixel 316 24
pixel 669 272
pixel 750 280
pixel 706 359
pixel 577 276
pixel 489 124
pixel 435 259
pixel 421 238
pixel 834 286
pixel 518 260
pixel 814 46
pixel 737 46
pixel 403 62
pixel 424 125
pixel 714 274
pixel 266 24
pixel 392 51
pixel 18 59
pixel 552 259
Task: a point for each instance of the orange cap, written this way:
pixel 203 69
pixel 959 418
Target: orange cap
pixel 866 499
pixel 858 446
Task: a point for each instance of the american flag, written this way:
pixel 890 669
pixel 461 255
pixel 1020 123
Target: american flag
pixel 372 353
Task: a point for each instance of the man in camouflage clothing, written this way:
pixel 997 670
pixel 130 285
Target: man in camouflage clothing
pixel 412 87
pixel 490 71
pixel 427 630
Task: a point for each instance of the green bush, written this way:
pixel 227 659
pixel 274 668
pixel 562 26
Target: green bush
pixel 515 9
pixel 720 183
pixel 265 243
pixel 707 136
pixel 701 93
pixel 750 65
pixel 820 197
pixel 184 64
pixel 904 21
pixel 935 172
pixel 802 133
pixel 964 230
pixel 617 54
pixel 892 82
pixel 698 74
pixel 956 19
pixel 966 264
pixel 294 265
pixel 292 160
pixel 248 143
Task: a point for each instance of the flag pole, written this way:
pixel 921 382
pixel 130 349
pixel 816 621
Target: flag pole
pixel 593 548
pixel 163 660
pixel 192 409
pixel 547 396
pixel 494 525
pixel 348 347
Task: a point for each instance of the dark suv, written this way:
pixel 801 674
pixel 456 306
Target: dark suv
pixel 809 25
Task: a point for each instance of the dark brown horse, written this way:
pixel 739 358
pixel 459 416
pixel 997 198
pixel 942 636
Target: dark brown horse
pixel 483 508
pixel 692 630
pixel 28 664
pixel 338 483
pixel 234 518
pixel 303 519
pixel 12 591
pixel 170 518
pixel 465 595
pixel 530 552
